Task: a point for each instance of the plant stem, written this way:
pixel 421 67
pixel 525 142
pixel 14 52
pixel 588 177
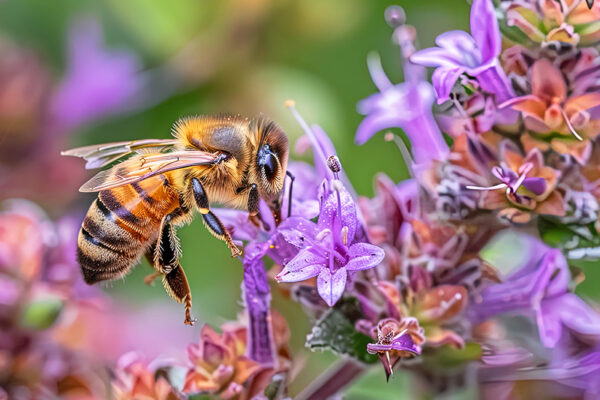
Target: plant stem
pixel 333 380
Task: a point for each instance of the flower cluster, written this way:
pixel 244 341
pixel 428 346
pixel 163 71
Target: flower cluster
pixel 517 99
pixel 466 272
pixel 41 298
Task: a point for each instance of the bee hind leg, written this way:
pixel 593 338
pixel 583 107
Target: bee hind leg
pixel 177 286
pixel 211 221
pixel 166 262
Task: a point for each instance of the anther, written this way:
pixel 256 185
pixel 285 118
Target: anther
pixel 395 16
pixel 345 235
pixel 334 164
pixel 322 235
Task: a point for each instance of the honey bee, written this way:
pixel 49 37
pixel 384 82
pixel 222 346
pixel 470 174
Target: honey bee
pixel 156 184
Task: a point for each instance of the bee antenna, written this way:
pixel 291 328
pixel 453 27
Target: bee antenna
pixel 292 178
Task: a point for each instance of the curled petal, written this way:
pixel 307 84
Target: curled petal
pixel 582 320
pixel 458 43
pixel 436 57
pixel 331 287
pixel 364 256
pixel 443 80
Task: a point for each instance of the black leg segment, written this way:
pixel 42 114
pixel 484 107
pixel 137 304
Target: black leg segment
pixel 253 200
pixel 214 225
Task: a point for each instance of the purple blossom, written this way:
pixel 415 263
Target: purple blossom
pixel 401 342
pixel 332 252
pixel 475 54
pixel 97 82
pixel 512 180
pixel 257 298
pixel 406 106
pixel 540 285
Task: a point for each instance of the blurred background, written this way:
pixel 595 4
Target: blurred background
pixel 78 72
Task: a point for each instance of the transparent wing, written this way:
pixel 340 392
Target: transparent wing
pixel 100 155
pixel 145 166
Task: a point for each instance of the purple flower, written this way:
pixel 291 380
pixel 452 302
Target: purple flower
pixel 257 298
pixel 396 339
pixel 401 342
pixel 540 285
pixel 512 180
pixel 331 252
pixel 475 54
pixel 407 106
pixel 97 82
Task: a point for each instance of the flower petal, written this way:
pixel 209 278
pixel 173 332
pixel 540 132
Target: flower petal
pixel 331 287
pixel 457 43
pixel 443 80
pixel 535 185
pixel 578 316
pixel 547 82
pixel 406 343
pixel 364 256
pixel 583 102
pixel 437 57
pixel 305 265
pixel 484 29
pixel 376 122
pixel 549 326
pixel 329 217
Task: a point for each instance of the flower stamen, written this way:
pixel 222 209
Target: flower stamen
pixel 571 127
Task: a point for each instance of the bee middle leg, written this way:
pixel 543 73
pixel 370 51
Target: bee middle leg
pixel 212 222
pixel 149 279
pixel 166 262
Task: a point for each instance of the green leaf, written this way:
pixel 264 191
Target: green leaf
pixel 577 241
pixel 336 333
pixel 41 314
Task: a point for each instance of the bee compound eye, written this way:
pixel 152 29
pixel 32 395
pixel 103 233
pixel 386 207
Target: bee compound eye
pixel 269 165
pixel 267 161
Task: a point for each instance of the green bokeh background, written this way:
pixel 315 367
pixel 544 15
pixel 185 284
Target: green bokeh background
pixel 250 56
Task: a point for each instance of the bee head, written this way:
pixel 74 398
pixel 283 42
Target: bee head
pixel 271 157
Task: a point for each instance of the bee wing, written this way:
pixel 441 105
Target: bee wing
pixel 145 166
pixel 100 155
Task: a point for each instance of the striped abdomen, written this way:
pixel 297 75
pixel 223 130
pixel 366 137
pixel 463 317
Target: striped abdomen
pixel 121 225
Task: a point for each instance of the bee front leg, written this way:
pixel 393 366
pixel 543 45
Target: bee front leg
pixel 253 200
pixel 211 221
pixel 166 263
